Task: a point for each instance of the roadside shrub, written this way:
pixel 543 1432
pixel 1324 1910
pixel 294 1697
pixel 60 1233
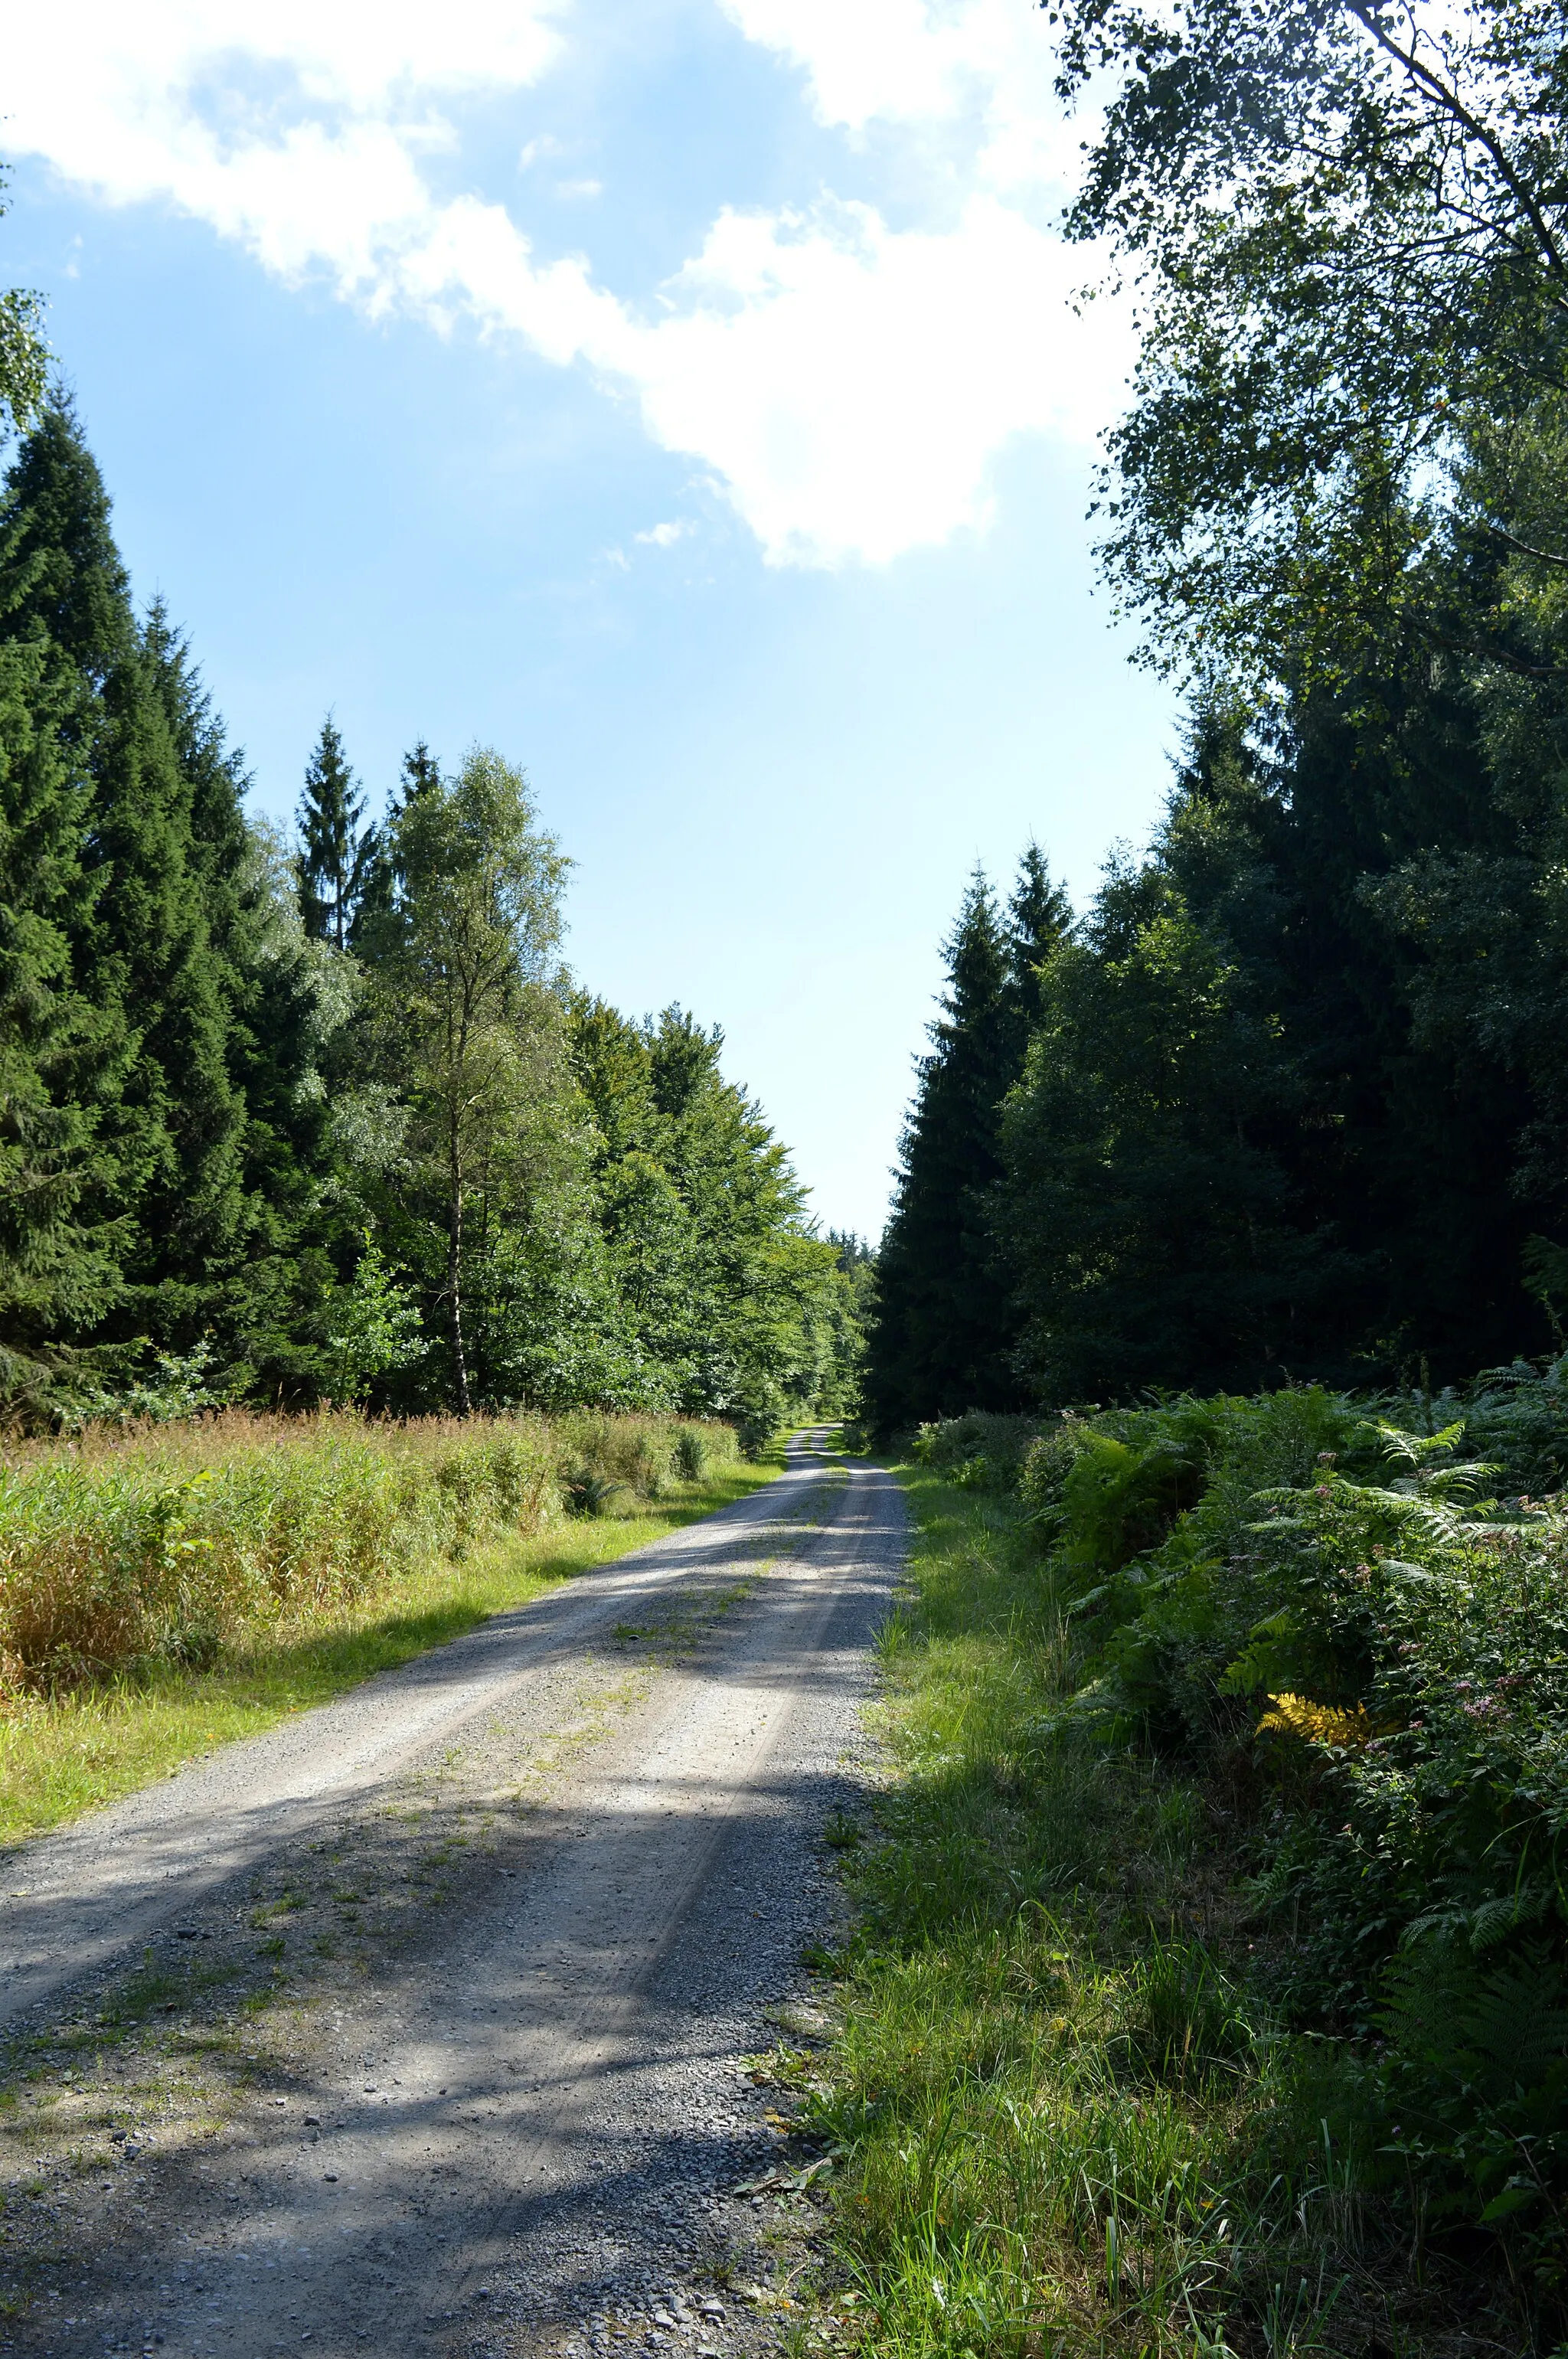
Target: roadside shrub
pixel 642 1454
pixel 1348 1615
pixel 758 1416
pixel 588 1494
pixel 692 1452
pixel 981 1448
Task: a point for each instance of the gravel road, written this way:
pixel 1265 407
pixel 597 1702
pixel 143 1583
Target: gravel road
pixel 424 2022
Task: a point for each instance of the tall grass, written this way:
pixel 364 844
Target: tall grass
pixel 167 1591
pixel 169 1544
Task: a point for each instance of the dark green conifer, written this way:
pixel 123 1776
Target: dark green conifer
pixel 60 1246
pixel 168 1117
pixel 1040 920
pixel 379 878
pixel 336 857
pixel 263 1289
pixel 942 1337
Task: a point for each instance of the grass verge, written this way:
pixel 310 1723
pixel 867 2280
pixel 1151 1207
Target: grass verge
pixel 1064 2120
pixel 63 1755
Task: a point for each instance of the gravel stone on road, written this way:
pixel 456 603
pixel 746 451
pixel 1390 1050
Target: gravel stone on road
pixel 427 2022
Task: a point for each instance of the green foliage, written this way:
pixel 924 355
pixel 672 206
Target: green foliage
pixel 1343 1610
pixel 727 1301
pixel 460 1025
pixel 1347 230
pixel 944 1328
pixel 24 355
pixel 331 1117
pixel 986 1448
pixel 176 1387
pixel 377 1329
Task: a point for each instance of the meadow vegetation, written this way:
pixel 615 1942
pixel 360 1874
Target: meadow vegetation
pixel 166 1587
pixel 1208 1993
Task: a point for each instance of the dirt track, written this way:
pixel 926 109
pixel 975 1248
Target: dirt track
pixel 439 1999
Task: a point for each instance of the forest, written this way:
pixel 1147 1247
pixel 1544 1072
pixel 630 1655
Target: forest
pixel 292 1117
pixel 1285 1101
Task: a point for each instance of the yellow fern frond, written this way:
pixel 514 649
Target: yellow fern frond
pixel 1320 1723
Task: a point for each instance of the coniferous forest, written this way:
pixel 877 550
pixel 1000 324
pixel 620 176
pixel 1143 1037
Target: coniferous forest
pixel 1286 1100
pixel 1282 1104
pixel 289 1120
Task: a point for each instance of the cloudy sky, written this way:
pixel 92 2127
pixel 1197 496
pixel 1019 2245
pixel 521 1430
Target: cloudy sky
pixel 688 399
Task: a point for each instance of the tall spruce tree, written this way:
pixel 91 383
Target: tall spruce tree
pixel 60 1246
pixel 940 1341
pixel 336 859
pixel 168 1117
pixel 1040 919
pixel 262 1292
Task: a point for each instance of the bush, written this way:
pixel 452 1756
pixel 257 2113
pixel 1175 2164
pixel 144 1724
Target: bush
pixel 692 1450
pixel 979 1447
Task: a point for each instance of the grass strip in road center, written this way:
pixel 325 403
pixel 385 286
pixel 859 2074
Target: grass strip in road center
pixel 63 1755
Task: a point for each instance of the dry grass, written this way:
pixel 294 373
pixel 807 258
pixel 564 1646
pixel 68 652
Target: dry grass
pixel 168 1590
pixel 169 1543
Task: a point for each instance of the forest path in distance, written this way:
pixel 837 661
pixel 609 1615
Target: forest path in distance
pixel 419 2024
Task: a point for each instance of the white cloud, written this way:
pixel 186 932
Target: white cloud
pixel 849 383
pixel 931 63
pixel 663 535
pixel 852 384
pixel 299 129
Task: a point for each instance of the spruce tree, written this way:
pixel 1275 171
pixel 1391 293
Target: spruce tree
pixel 943 1335
pixel 336 857
pixel 376 872
pixel 60 1245
pixel 264 1287
pixel 1040 919
pixel 168 1118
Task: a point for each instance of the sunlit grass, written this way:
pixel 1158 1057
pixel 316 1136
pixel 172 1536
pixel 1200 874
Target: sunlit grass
pixel 1065 2129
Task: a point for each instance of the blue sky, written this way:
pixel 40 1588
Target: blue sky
pixel 691 406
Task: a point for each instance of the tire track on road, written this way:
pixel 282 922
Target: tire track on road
pixel 520 2110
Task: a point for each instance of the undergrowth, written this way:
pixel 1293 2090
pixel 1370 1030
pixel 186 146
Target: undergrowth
pixel 1096 2087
